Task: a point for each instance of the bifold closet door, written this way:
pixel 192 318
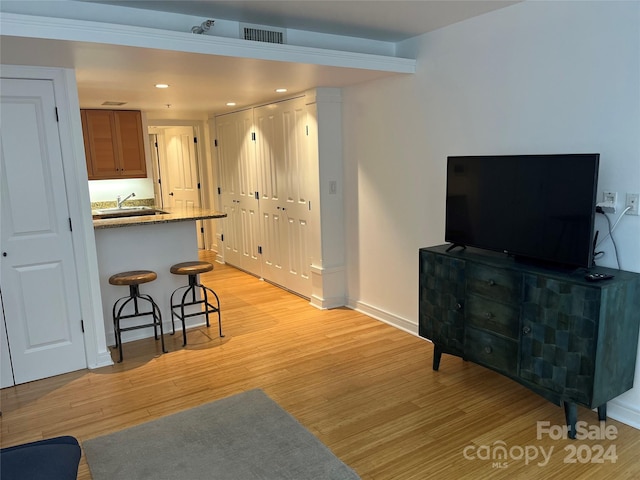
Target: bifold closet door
pixel 238 187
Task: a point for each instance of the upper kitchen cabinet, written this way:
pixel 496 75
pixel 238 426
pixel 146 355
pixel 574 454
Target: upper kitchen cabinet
pixel 114 144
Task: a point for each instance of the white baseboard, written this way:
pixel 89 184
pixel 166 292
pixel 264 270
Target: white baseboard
pixel 383 316
pixel 103 359
pixel 624 412
pixel 326 303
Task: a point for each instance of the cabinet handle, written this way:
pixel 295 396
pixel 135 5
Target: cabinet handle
pixel 526 330
pixel 489 315
pixel 458 306
pixel 491 283
pixel 488 349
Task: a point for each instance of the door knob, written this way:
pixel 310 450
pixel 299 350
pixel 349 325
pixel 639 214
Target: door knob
pixel 4 254
pixel 171 194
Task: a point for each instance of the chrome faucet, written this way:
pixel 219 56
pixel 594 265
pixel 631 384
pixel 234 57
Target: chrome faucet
pixel 120 200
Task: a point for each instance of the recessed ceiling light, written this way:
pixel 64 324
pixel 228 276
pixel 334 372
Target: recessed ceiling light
pixel 161 85
pixel 281 90
pixel 231 104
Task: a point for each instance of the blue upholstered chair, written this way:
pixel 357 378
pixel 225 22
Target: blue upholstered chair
pixel 52 459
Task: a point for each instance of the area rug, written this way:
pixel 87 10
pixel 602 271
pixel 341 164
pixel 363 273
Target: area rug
pixel 242 437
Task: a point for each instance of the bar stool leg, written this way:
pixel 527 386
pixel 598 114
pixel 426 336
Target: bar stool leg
pixel 118 308
pixel 215 308
pixel 182 315
pixel 116 322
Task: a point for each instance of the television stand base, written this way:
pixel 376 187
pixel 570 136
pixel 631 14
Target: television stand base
pixel 454 245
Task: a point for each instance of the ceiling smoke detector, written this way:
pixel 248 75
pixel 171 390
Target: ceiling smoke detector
pixel 203 27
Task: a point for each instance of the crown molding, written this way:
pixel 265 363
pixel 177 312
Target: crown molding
pixel 30 26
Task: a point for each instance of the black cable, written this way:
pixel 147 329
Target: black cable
pixel 615 249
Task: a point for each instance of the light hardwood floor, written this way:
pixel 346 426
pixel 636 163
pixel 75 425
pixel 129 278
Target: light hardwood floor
pixel 362 387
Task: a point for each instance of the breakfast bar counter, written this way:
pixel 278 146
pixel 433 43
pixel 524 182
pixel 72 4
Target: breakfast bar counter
pixel 147 242
pixel 168 215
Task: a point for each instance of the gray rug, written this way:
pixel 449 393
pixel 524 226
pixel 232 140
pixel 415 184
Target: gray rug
pixel 242 437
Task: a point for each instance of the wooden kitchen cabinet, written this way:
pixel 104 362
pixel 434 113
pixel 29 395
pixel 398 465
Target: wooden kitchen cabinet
pixel 114 144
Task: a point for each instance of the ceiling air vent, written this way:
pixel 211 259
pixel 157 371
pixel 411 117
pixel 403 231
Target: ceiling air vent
pixel 110 103
pixel 259 33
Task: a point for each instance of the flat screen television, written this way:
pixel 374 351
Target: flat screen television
pixel 533 207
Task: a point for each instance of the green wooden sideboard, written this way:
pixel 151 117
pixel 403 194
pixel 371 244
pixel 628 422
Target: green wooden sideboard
pixel 568 339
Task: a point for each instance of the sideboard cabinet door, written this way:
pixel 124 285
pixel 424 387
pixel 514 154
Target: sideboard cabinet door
pixel 442 293
pixel 559 336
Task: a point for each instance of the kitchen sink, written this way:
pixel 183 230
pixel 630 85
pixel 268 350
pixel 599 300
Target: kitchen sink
pixel 125 212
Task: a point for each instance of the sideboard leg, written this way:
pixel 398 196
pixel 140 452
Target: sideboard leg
pixel 571 415
pixel 602 412
pixel 437 353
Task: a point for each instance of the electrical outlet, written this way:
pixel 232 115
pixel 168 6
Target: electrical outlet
pixel 632 201
pixel 610 197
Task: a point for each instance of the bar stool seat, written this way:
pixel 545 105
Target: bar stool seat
pixel 133 279
pixel 193 269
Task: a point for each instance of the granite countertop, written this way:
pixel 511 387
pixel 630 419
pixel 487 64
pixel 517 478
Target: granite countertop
pixel 174 214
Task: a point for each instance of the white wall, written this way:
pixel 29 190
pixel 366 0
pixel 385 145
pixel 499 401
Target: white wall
pixel 536 77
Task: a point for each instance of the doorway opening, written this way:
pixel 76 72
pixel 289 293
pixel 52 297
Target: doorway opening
pixel 177 170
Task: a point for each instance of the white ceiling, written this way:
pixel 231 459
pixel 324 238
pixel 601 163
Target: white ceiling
pixel 116 73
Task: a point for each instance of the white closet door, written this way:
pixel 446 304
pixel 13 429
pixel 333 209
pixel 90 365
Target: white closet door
pixel 39 279
pixel 269 151
pixel 238 184
pixel 284 201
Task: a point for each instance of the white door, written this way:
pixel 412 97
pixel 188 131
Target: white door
pixel 38 277
pixel 238 187
pixel 180 179
pixel 270 153
pixel 6 372
pixel 284 185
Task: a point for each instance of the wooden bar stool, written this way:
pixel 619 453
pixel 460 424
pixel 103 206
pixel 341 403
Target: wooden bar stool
pixel 193 269
pixel 133 279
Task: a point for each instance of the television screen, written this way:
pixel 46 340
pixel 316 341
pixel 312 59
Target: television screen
pixel 539 207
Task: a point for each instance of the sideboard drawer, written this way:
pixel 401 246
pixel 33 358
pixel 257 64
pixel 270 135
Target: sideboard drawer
pixel 493 351
pixel 496 317
pixel 498 284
